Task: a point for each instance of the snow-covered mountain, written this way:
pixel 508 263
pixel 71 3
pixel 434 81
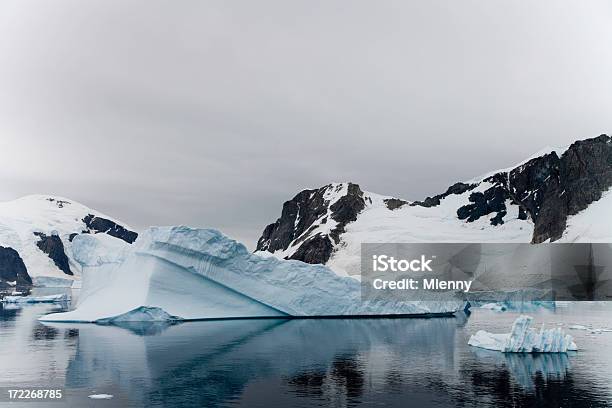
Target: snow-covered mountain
pixel 557 195
pixel 36 234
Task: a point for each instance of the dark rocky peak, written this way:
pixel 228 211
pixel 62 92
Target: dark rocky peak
pixel 457 188
pixel 315 250
pixel 52 246
pixel 306 211
pixel 548 188
pixel 346 209
pixel 12 268
pixel 529 183
pixel 395 203
pixel 97 224
pixel 586 171
pixel 491 200
pixel 297 215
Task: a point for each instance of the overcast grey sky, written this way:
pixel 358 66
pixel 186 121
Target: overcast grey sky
pixel 213 113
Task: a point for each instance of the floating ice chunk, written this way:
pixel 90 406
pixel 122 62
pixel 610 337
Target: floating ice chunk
pixel 590 329
pixel 36 299
pixel 494 306
pixel 523 339
pixel 100 396
pixel 141 314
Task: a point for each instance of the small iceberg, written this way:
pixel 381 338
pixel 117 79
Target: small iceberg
pixel 100 396
pixel 141 314
pixel 590 329
pixel 36 299
pixel 523 339
pixel 498 307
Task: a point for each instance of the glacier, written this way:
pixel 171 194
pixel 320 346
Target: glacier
pixel 193 274
pixel 523 339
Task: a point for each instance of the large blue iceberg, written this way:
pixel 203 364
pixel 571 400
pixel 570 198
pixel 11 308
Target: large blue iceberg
pixel 201 274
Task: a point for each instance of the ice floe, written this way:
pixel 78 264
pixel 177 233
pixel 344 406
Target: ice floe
pixel 100 396
pixel 523 339
pixel 37 299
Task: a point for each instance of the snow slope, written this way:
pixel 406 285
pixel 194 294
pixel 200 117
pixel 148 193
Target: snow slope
pixel 378 224
pixel 21 219
pixel 201 274
pixel 593 224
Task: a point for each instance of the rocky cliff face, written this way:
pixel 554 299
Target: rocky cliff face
pixel 313 222
pixel 53 246
pixel 12 268
pixel 97 224
pixel 549 188
pixel 537 196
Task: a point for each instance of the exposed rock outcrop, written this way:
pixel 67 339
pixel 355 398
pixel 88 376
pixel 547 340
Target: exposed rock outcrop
pixel 492 200
pixel 12 268
pixel 53 246
pixel 457 188
pixel 549 188
pixel 394 203
pixel 308 210
pixel 98 224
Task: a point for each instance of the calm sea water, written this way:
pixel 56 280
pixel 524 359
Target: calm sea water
pixel 304 363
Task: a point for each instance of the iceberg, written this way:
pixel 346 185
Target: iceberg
pixel 523 339
pixel 141 314
pixel 37 299
pixel 518 306
pixel 100 396
pixel 498 307
pixel 193 274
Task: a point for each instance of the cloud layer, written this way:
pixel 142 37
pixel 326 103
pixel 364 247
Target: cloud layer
pixel 214 113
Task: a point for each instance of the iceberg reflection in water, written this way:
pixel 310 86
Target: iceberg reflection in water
pixel 314 362
pixel 525 368
pixel 217 360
